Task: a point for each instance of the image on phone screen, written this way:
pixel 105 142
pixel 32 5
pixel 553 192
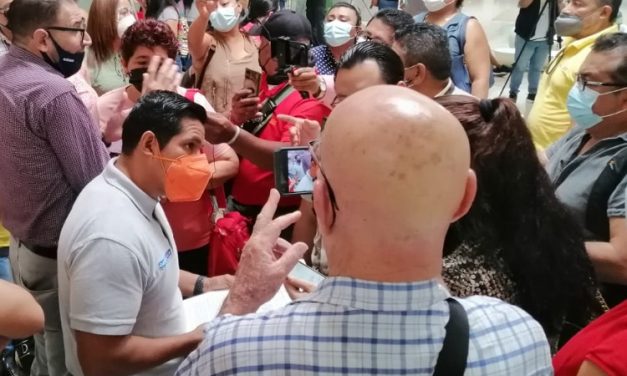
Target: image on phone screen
pixel 252 81
pixel 300 171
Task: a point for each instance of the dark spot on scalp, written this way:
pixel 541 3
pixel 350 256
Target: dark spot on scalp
pixel 436 158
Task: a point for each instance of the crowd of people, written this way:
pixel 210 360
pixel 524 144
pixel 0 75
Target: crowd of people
pixel 455 235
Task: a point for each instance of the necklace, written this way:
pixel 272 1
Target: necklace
pixel 117 66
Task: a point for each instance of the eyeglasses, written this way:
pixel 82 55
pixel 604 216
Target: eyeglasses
pixel 69 30
pixel 582 83
pixel 314 150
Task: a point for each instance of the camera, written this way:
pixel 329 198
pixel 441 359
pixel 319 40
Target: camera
pixel 289 54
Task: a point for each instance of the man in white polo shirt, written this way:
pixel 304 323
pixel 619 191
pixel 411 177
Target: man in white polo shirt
pixel 120 288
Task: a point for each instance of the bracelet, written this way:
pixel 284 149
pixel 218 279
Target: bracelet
pixel 322 90
pixel 235 136
pixel 199 285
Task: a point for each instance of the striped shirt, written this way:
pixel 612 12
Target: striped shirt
pixel 350 326
pixel 51 147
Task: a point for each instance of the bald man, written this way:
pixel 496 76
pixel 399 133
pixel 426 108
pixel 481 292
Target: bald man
pixel 382 310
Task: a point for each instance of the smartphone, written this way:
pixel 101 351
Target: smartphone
pixel 252 81
pixel 304 272
pixel 294 171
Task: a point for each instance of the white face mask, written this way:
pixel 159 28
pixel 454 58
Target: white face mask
pixel 337 32
pixel 224 19
pixel 125 23
pixel 435 5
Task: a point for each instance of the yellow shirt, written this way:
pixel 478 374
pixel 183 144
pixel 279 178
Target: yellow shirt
pixel 4 237
pixel 549 119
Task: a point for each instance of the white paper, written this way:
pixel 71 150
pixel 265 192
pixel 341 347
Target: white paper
pixel 205 307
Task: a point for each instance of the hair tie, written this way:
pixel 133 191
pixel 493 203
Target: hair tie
pixel 487 109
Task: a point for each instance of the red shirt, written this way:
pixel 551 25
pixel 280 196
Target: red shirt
pixel 252 184
pixel 603 343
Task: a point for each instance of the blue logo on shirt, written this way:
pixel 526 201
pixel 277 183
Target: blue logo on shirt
pixel 164 261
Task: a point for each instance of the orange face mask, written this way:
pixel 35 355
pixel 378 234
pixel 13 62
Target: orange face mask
pixel 186 178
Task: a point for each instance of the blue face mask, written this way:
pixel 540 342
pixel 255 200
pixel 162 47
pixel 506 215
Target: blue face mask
pixel 224 19
pixel 580 103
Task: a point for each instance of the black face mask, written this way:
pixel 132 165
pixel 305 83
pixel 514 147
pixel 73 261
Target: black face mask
pixel 69 63
pixel 136 78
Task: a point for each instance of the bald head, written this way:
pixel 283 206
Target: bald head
pixel 399 169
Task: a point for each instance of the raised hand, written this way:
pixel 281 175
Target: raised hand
pixel 266 261
pixel 164 77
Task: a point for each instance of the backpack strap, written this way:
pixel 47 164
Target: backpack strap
pixel 603 187
pixel 268 110
pixel 454 354
pixel 200 76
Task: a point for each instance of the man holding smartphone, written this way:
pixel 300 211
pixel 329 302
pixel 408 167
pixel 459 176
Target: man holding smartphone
pixel 264 133
pixel 383 309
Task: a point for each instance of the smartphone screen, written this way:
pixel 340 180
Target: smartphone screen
pixel 294 171
pixel 304 272
pixel 252 81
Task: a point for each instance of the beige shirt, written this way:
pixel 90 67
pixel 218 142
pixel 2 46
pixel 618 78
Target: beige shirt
pixel 224 76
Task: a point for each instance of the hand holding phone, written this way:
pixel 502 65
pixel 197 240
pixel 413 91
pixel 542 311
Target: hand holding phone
pixel 252 81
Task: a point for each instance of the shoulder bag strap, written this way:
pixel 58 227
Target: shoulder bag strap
pixel 201 75
pixel 273 103
pixel 454 354
pixel 603 187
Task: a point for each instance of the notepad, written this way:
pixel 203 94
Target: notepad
pixel 205 307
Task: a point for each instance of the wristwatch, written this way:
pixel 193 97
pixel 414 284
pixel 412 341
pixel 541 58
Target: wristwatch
pixel 322 91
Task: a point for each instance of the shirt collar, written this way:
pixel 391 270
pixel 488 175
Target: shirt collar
pixel 25 55
pixel 446 90
pixel 578 44
pixel 115 177
pixel 378 296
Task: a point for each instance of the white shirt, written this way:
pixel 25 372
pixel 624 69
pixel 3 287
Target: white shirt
pixel 118 267
pixel 542 26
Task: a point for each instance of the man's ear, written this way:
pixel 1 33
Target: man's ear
pixel 322 206
pixel 606 12
pixel 421 73
pixel 39 37
pixel 148 144
pixel 469 196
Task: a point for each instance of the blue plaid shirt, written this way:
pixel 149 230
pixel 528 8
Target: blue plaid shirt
pixel 355 327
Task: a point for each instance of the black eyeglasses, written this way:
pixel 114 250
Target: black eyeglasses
pixel 69 30
pixel 314 150
pixel 582 83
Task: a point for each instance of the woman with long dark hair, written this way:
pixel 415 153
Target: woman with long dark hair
pixel 518 242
